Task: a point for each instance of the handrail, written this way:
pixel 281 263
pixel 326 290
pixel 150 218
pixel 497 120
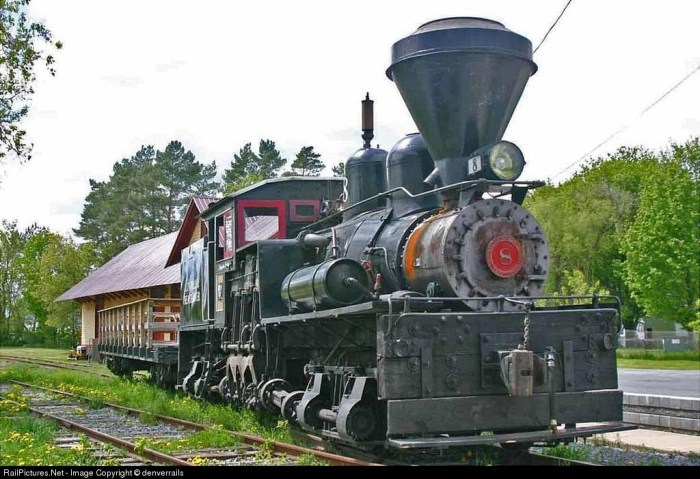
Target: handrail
pixel 523 300
pixel 462 185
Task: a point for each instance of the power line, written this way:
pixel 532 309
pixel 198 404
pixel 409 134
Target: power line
pixel 552 27
pixel 625 127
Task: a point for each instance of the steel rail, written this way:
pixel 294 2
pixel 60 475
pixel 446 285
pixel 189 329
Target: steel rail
pixel 107 438
pixel 277 446
pixel 531 458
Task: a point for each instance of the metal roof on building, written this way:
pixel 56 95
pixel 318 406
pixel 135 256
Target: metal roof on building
pixel 139 266
pixel 203 202
pixel 189 221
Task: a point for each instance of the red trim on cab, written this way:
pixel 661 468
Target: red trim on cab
pixel 241 205
pixel 297 218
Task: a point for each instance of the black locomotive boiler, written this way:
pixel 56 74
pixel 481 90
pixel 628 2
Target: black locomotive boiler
pixel 411 316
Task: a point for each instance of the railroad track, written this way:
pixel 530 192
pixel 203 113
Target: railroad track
pixel 121 427
pixel 463 456
pixel 55 364
pixel 494 456
pixel 318 447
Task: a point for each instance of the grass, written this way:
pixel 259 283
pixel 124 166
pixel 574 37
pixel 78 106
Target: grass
pixel 38 353
pixel 575 452
pixel 479 456
pixel 142 395
pixel 138 393
pixel 210 438
pixel 658 359
pixel 26 440
pixel 60 355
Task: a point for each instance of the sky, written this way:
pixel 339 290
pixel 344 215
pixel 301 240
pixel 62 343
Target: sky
pixel 216 75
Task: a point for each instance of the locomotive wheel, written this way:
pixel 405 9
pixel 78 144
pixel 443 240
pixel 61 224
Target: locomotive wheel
pixel 225 390
pixel 361 423
pixel 289 405
pixel 266 390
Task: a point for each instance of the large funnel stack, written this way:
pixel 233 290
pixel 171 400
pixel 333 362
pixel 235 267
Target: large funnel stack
pixel 461 79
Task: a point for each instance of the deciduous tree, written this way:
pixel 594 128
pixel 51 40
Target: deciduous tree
pixel 662 245
pixel 12 306
pixel 22 46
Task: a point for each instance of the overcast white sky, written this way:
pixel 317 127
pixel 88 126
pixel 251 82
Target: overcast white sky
pixel 217 74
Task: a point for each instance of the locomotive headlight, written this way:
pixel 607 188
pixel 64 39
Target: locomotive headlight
pixel 502 161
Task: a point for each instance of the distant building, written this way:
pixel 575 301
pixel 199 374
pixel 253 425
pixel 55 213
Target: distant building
pixel 142 279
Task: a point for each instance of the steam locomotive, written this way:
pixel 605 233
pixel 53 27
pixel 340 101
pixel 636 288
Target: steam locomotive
pixel 411 315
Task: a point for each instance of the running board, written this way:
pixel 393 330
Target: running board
pixel 511 438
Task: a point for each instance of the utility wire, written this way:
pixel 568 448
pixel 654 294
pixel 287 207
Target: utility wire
pixel 552 27
pixel 625 127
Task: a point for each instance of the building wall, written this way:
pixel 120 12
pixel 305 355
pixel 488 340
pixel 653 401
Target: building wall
pixel 196 233
pixel 87 330
pixel 111 302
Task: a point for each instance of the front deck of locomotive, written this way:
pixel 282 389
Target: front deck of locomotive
pixel 444 375
pixel 463 378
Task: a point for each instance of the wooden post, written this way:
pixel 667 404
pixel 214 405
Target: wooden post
pixel 139 323
pixel 132 325
pixel 149 339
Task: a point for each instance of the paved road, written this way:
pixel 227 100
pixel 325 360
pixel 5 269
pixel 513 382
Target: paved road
pixel 663 382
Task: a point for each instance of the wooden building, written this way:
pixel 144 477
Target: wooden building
pixel 133 300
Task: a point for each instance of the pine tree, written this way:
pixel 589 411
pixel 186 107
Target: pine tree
pixel 249 167
pixel 307 162
pixel 244 162
pixel 181 176
pixel 144 198
pixel 270 159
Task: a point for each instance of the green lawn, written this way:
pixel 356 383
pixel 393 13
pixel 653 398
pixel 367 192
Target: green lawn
pixel 646 364
pixel 60 355
pixel 142 395
pixel 36 353
pixel 657 359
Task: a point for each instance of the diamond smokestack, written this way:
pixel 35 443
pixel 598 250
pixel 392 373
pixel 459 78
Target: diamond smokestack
pixel 461 79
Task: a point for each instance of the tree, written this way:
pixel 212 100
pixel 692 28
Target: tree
pixel 125 209
pixel 61 265
pixel 20 51
pixel 339 169
pixel 12 306
pixel 662 245
pixel 143 198
pixel 32 251
pixel 584 219
pixel 181 177
pixel 249 167
pixel 307 162
pixel 271 160
pixel 243 170
pixel 51 264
